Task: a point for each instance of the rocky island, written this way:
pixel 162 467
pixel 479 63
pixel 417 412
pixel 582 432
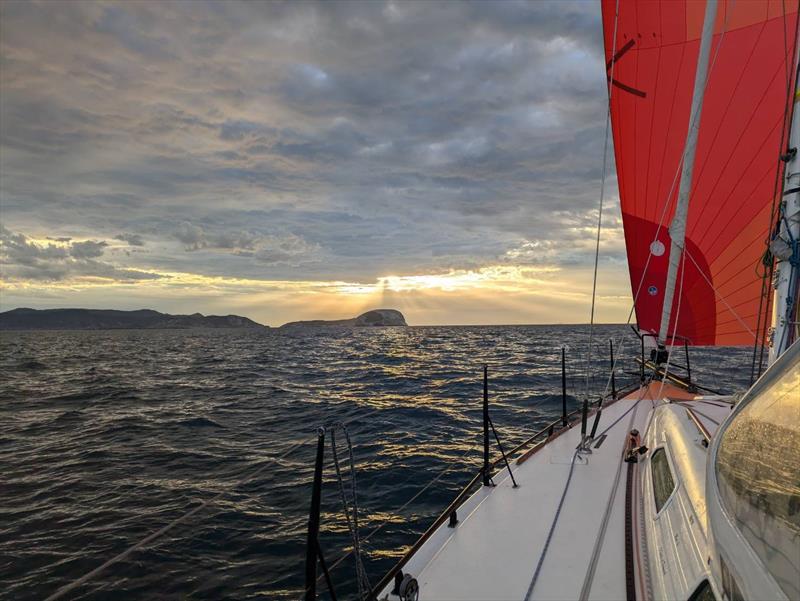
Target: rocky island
pixel 374 318
pixel 106 319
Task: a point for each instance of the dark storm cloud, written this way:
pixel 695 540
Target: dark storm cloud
pixel 349 138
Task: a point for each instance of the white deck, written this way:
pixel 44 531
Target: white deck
pixel 502 534
pixel 500 539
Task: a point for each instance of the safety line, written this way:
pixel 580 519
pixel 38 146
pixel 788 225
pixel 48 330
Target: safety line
pixel 396 511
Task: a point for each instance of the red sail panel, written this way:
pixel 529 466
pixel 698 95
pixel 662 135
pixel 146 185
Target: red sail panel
pixel 737 159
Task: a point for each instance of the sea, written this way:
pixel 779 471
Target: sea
pixel 109 436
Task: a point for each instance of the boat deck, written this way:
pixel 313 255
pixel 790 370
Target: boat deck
pixel 558 535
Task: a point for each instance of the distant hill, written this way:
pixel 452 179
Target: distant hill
pixel 107 319
pixel 375 318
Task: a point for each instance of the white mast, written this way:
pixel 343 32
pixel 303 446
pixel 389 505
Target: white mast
pixel 677 229
pixel 787 279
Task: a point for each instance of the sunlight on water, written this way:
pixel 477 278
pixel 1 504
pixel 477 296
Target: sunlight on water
pixel 110 435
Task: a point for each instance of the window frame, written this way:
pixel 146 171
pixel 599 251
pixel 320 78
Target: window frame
pixel 731 591
pixel 675 483
pixel 697 589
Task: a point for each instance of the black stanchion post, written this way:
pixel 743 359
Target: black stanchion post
pixel 613 381
pixel 584 415
pixel 688 367
pixel 563 386
pixel 486 477
pixel 641 365
pixel 312 542
pixel 596 418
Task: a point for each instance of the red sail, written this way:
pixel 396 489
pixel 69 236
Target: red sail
pixel 744 119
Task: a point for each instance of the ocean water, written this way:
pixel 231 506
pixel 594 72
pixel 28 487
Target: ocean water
pixel 109 436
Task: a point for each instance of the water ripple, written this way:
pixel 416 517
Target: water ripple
pixel 109 436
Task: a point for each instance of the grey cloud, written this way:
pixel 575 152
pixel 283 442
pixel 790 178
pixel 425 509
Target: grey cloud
pixel 271 249
pixel 23 259
pixel 131 239
pixel 287 250
pixel 342 139
pixel 192 236
pixel 87 250
pixel 195 237
pixel 16 249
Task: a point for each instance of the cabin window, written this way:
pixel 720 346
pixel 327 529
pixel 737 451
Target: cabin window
pixel 729 587
pixel 663 482
pixel 758 470
pixel 703 593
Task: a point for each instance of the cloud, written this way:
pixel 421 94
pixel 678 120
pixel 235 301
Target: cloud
pixel 192 236
pixel 131 239
pixel 88 249
pixel 23 259
pixel 309 141
pixel 285 249
pixel 195 237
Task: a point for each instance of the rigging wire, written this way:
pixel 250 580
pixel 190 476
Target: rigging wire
pixel 719 294
pixel 351 519
pixel 667 200
pixel 400 509
pixel 773 230
pixel 602 194
pixel 665 207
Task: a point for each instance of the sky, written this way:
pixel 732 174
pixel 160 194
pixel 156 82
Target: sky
pixel 306 160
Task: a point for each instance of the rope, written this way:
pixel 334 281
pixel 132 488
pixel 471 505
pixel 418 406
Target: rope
pixel 602 196
pixel 561 505
pixel 598 543
pixel 352 523
pixel 160 532
pixel 552 528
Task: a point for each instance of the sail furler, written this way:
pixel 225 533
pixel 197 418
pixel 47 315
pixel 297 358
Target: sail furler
pixel 743 123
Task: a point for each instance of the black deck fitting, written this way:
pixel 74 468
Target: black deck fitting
pixel 453 519
pixel 312 541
